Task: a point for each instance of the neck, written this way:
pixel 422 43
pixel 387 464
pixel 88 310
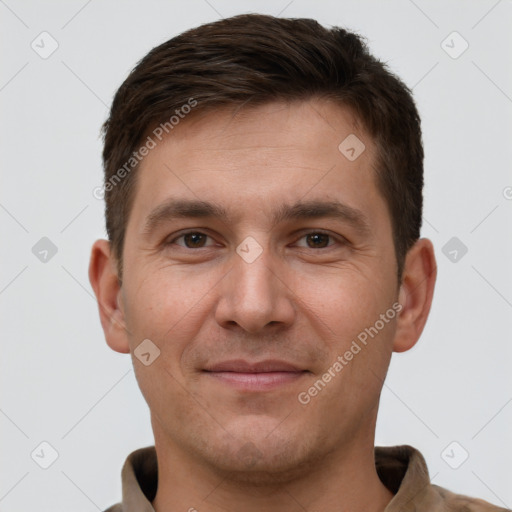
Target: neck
pixel 345 481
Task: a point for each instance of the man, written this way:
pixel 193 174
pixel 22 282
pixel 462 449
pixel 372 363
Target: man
pixel 263 187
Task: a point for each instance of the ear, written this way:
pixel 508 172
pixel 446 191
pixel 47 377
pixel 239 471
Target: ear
pixel 416 292
pixel 105 283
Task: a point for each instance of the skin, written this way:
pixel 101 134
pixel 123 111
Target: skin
pixel 303 300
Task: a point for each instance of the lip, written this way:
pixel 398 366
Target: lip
pixel 242 366
pixel 255 376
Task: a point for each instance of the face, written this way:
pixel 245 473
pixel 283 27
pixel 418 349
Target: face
pixel 256 254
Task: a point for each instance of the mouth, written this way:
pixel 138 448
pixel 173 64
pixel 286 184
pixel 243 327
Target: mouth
pixel 258 376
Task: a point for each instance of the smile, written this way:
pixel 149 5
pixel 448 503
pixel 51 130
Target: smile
pixel 260 376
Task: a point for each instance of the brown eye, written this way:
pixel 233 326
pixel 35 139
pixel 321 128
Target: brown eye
pixel 194 240
pixel 317 240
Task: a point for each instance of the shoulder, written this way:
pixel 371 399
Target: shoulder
pixel 461 503
pixel 403 470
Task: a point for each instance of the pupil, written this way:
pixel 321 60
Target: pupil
pixel 194 239
pixel 317 239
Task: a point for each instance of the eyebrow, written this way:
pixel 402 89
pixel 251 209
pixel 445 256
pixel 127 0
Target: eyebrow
pixel 186 208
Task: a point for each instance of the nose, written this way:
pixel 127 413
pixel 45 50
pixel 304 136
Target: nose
pixel 254 295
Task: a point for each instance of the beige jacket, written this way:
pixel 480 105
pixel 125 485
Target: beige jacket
pixel 402 469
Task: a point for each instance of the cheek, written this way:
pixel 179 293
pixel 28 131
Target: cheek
pixel 345 301
pixel 359 342
pixel 161 300
pixel 167 312
pixel 169 309
pixel 166 395
pixel 346 314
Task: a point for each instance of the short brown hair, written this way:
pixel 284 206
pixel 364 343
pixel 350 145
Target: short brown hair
pixel 255 59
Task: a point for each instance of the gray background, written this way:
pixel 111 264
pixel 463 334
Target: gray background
pixel 61 383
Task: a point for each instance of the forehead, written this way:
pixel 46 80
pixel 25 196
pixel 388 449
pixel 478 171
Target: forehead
pixel 251 159
pixel 298 126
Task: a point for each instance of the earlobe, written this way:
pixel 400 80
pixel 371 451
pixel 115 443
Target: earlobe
pixel 416 293
pixel 104 281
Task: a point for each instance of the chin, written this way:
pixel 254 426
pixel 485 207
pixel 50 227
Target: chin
pixel 263 460
pixel 256 468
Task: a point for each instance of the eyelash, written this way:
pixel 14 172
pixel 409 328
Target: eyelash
pixel 341 240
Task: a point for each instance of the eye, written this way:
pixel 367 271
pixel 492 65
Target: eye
pixel 311 240
pixel 318 240
pixel 191 240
